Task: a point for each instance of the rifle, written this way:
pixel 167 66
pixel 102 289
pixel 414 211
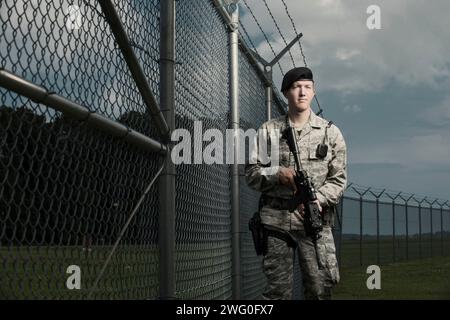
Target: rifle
pixel 305 194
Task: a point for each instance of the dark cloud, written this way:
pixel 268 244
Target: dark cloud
pixel 386 89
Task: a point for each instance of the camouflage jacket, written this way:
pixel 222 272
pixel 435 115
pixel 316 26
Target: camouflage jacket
pixel 328 175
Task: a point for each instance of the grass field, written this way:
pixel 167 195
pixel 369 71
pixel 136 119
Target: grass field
pixel 419 279
pixel 390 251
pixel 40 272
pixel 203 272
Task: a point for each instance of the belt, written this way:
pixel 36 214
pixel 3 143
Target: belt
pixel 276 203
pixel 283 204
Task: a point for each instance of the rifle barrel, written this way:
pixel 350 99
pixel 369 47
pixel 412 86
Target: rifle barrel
pixel 292 143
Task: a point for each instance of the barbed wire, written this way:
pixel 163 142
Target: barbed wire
pixel 296 32
pixel 320 112
pixel 279 31
pixel 389 193
pixel 248 37
pixel 264 34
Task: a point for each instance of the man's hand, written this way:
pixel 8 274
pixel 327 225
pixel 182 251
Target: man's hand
pixel 318 204
pixel 286 177
pixel 301 208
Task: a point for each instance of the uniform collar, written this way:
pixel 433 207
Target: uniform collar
pixel 314 122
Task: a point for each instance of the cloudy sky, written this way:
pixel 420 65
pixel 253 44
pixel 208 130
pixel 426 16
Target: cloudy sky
pixel 387 89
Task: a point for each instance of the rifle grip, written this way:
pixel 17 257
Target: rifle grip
pixel 294 203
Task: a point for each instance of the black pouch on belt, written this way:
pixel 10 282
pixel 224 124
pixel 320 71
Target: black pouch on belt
pixel 258 233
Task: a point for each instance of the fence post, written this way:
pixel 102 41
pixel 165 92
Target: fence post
pixel 393 223
pixel 442 234
pixel 431 225
pixel 442 225
pixel 233 9
pixel 407 227
pixel 429 205
pixel 340 230
pixel 377 202
pixel 268 73
pixel 341 223
pixel 420 225
pixel 360 222
pixel 166 229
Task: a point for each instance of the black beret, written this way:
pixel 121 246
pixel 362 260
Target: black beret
pixel 301 73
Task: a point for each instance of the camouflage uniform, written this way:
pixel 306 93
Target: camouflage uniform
pixel 329 178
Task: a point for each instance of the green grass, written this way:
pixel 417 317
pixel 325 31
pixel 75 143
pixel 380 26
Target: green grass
pixel 40 272
pixel 350 253
pixel 32 272
pixel 419 279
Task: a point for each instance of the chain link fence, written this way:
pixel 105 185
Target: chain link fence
pixel 380 227
pixel 203 198
pixel 252 102
pixel 252 116
pixel 67 188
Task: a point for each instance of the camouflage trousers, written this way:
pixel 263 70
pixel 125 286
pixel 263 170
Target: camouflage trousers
pixel 319 273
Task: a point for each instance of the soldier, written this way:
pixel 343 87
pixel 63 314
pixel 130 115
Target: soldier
pixel 328 173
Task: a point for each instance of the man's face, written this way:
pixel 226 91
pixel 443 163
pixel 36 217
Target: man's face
pixel 300 95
